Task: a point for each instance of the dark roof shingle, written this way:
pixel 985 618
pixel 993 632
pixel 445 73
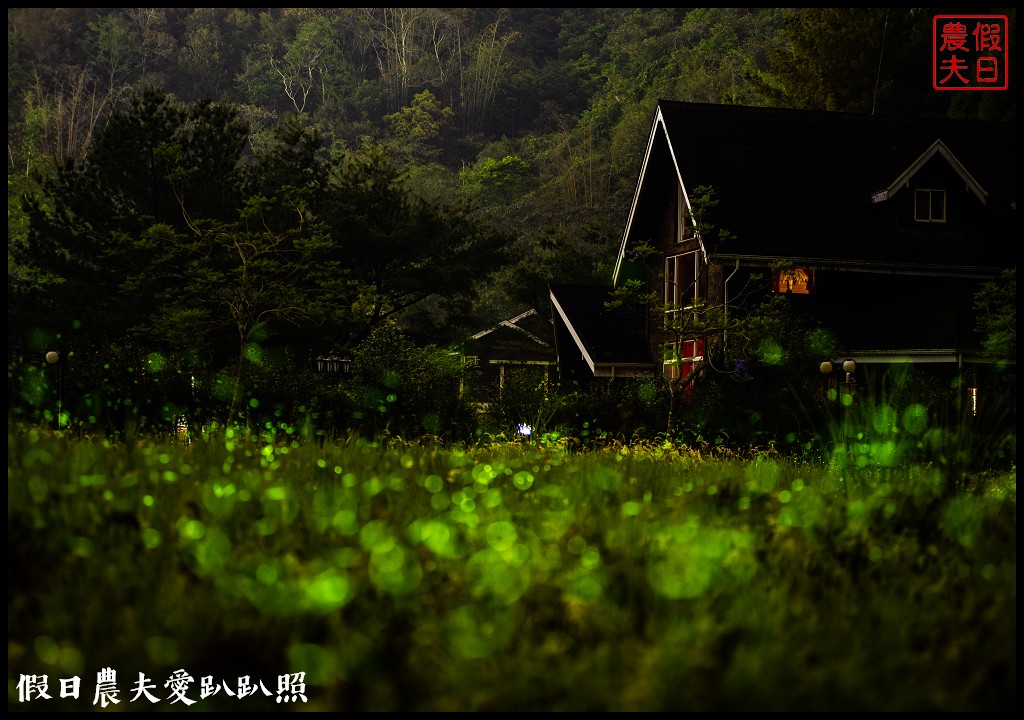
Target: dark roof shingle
pixel 797 183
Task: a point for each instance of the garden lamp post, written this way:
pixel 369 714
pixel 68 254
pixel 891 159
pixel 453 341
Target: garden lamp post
pixel 844 389
pixel 333 363
pixel 53 358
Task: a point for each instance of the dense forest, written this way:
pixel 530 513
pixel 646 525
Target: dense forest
pixel 444 164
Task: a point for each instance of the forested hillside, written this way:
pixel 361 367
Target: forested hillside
pixel 510 137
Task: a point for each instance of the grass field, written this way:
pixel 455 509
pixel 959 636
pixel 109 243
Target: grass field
pixel 359 576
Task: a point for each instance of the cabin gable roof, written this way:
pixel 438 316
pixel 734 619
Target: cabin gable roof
pixel 937 148
pixel 796 184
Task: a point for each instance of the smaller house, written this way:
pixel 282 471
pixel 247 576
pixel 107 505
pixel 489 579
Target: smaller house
pixel 520 343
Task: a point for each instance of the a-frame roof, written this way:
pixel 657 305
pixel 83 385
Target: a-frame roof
pixel 937 148
pixel 527 337
pixel 804 185
pixel 513 324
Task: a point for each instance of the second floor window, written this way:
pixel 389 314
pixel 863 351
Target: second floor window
pixel 683 230
pixel 681 287
pixel 930 206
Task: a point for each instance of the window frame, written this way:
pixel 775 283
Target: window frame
pixel 929 196
pixel 681 293
pixel 674 294
pixel 804 286
pixel 683 232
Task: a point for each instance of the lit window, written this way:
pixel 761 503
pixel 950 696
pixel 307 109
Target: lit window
pixel 930 206
pixel 797 281
pixel 972 398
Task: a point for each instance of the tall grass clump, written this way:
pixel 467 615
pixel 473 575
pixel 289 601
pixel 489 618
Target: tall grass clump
pixel 532 574
pixel 903 417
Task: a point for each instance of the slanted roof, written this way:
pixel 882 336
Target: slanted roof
pixel 525 338
pixel 612 342
pixel 799 185
pixel 514 324
pixel 937 148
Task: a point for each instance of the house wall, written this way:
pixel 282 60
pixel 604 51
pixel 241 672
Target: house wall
pixel 655 220
pixel 678 276
pixel 716 284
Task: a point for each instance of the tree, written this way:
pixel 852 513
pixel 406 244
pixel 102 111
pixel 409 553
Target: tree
pixel 193 244
pixel 243 276
pixel 109 231
pixel 483 75
pixel 554 255
pixel 143 166
pixel 495 181
pixel 401 249
pixel 995 423
pixel 22 277
pixel 68 112
pixel 866 60
pixel 111 42
pixel 304 66
pixel 417 131
pixel 996 305
pixel 414 47
pixel 205 51
pixel 154 46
